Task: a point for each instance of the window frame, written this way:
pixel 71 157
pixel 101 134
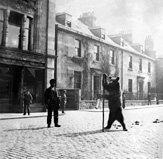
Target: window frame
pixel 130 62
pixel 149 87
pixel 140 65
pixel 3 29
pixel 96 52
pixel 112 57
pixel 77 79
pixel 130 85
pixel 149 67
pixel 78 48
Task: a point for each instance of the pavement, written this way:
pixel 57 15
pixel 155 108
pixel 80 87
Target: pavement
pixel 43 114
pixel 81 137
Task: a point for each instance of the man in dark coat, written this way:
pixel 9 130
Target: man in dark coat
pixel 114 100
pixel 52 101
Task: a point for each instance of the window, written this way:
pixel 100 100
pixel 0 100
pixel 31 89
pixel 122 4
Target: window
pixel 1 25
pixel 140 64
pixel 149 87
pixel 103 36
pixel 78 47
pixel 141 83
pixel 77 79
pixel 112 57
pixel 96 51
pixel 68 23
pixel 28 33
pixel 149 67
pixel 15 30
pixel 19 31
pixel 130 62
pixel 96 83
pixel 130 85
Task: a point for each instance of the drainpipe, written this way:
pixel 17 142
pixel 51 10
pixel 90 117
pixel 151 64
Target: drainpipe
pixel 122 70
pixel 157 101
pixel 47 30
pixel 56 52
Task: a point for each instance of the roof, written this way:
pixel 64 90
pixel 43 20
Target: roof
pixel 79 27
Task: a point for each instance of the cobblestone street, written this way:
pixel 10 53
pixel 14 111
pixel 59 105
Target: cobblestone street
pixel 81 136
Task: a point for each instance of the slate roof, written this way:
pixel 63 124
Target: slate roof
pixel 81 28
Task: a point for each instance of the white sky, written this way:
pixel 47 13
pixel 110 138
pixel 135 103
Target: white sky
pixel 141 17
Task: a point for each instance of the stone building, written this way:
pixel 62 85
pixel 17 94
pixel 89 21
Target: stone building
pixel 159 77
pixel 85 52
pixel 138 66
pixel 27 51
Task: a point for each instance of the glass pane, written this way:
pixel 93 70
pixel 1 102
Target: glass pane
pixel 1 15
pixel 1 30
pixel 13 36
pixel 77 43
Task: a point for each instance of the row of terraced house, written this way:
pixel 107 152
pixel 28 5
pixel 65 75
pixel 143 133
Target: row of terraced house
pixel 37 44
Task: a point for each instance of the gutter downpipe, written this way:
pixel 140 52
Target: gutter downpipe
pixel 122 70
pixel 56 51
pixel 47 29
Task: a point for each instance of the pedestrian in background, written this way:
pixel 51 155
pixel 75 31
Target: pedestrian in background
pixel 63 100
pixel 99 100
pixel 27 101
pixel 123 100
pixel 52 101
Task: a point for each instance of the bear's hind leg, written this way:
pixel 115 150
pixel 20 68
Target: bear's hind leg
pixel 120 119
pixel 110 120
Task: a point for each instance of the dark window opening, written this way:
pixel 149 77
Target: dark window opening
pixel 140 64
pixel 96 51
pixel 149 67
pixel 96 85
pixel 130 85
pixel 68 24
pixel 77 79
pixel 1 25
pixel 149 87
pixel 78 47
pixel 130 62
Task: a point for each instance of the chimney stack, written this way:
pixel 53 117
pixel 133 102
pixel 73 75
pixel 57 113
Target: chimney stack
pixel 88 19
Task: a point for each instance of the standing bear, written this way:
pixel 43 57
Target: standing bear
pixel 114 101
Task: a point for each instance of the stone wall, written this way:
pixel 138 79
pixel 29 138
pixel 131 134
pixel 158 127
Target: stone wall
pixel 90 104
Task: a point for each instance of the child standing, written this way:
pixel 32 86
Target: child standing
pixel 27 101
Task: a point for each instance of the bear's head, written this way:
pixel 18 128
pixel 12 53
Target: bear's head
pixel 113 85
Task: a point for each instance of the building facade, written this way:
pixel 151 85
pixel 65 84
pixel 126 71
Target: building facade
pixel 27 51
pixel 85 52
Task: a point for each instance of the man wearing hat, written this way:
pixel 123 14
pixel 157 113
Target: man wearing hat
pixel 52 101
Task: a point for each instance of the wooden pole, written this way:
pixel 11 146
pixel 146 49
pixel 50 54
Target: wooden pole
pixel 103 97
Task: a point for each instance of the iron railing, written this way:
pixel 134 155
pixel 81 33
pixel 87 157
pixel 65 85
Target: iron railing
pixel 92 95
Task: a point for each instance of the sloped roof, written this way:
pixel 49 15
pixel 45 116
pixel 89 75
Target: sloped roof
pixel 81 28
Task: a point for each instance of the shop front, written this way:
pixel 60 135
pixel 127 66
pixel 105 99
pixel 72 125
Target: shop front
pixel 14 80
pixel 20 70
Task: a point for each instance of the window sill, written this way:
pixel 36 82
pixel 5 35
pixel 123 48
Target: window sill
pixel 130 69
pixel 95 61
pixel 112 64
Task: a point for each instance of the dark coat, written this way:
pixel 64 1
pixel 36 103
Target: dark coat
pixel 28 98
pixel 52 98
